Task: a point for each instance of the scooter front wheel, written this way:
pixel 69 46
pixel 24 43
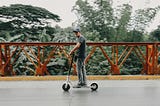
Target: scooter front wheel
pixel 65 87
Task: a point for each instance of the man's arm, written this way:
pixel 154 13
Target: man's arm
pixel 75 48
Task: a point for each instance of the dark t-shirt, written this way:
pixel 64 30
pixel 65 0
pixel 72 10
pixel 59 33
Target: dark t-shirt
pixel 81 50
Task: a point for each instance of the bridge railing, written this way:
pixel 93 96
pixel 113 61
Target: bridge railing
pixel 40 54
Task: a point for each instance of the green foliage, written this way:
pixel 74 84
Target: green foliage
pixel 26 23
pixel 95 18
pixel 132 65
pixel 25 19
pixel 155 35
pixel 98 65
pixel 99 21
pixel 23 66
pixel 58 66
pixel 22 15
pixel 123 16
pixel 142 18
pixel 134 36
pixel 114 24
pixel 92 36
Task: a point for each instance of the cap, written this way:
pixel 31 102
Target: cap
pixel 76 30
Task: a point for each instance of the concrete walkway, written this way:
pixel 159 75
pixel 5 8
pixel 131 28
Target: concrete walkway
pixel 110 93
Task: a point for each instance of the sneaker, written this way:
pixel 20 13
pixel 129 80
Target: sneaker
pixel 84 85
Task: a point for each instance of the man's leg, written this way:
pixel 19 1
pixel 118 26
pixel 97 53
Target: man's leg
pixel 84 75
pixel 79 69
pixel 84 82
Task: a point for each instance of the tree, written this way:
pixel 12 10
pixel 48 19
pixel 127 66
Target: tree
pixel 123 16
pixel 101 22
pixel 155 35
pixel 18 19
pixel 111 23
pixel 142 18
pixel 25 23
pixel 95 18
pixel 134 36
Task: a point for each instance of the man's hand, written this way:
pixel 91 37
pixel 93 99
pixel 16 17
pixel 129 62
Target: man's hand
pixel 75 48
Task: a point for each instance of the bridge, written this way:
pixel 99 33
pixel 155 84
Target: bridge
pixel 147 53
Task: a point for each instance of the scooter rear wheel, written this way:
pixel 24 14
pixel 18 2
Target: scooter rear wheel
pixel 94 86
pixel 65 87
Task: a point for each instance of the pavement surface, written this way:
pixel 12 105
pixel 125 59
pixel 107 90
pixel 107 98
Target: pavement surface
pixel 109 93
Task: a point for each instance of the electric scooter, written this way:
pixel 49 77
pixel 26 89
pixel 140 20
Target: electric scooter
pixel 67 85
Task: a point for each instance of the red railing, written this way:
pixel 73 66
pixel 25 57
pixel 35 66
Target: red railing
pixel 9 53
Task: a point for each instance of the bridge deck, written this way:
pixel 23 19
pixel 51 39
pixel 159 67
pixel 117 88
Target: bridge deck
pixel 110 93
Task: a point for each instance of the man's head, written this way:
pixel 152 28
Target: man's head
pixel 77 32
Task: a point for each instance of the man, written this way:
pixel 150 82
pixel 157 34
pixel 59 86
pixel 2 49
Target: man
pixel 80 53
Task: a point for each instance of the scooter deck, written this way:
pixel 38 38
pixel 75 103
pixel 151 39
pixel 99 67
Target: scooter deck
pixel 82 86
